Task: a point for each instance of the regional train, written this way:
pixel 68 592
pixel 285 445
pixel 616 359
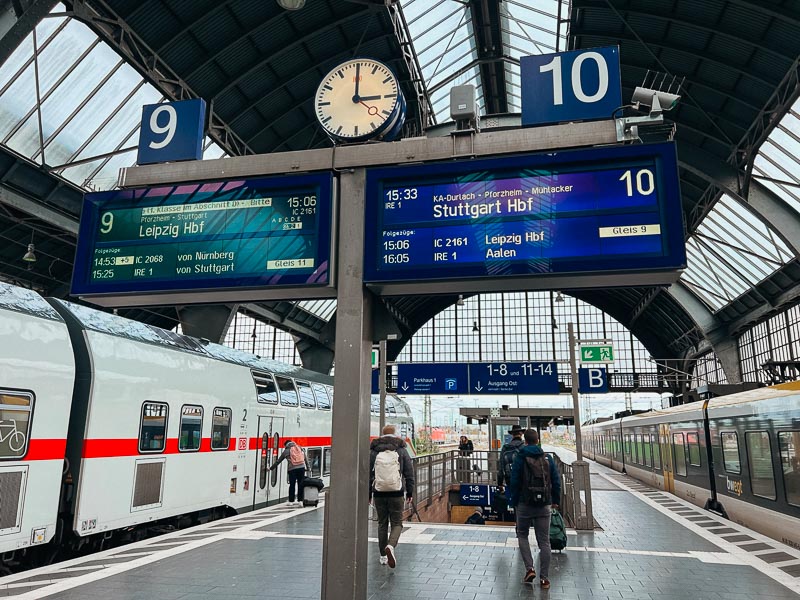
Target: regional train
pixel 110 426
pixel 738 455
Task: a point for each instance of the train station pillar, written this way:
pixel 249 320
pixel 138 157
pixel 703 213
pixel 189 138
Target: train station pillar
pixel 344 550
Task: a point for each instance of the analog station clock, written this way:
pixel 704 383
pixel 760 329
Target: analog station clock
pixel 360 100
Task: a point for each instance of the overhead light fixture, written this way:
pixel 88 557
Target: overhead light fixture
pixel 29 256
pixel 475 327
pixel 460 301
pixel 292 4
pixel 559 297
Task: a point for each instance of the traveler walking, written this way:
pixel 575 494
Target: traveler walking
pixel 535 489
pixel 508 453
pixel 296 470
pixel 391 477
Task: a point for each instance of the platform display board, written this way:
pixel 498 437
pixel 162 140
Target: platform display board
pixel 273 232
pixel 607 209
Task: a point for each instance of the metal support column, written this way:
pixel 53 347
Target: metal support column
pixel 382 382
pixel 344 550
pixel 576 401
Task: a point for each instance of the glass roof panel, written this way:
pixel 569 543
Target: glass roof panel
pixel 731 251
pixel 779 159
pixel 323 309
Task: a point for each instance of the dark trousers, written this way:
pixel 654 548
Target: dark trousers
pixel 296 477
pixel 389 508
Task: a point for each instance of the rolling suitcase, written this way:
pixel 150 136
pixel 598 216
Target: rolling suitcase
pixel 311 488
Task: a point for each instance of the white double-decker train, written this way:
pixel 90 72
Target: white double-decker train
pixel 111 427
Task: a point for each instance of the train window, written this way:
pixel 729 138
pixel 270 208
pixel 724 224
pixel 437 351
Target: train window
pixel 221 429
pixel 323 402
pixel 153 429
pixel 15 422
pixel 679 448
pixel 315 461
pixel 648 455
pixel 656 452
pixel 306 395
pixel 266 391
pixel 191 428
pixel 326 462
pixel 329 388
pixel 730 452
pixel 616 445
pixel 288 391
pixel 627 444
pixel 759 455
pixel 789 444
pixel 637 449
pixel 694 449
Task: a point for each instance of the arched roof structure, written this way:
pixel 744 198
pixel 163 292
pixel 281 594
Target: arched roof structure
pixel 258 65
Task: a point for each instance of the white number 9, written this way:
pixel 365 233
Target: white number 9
pixel 168 129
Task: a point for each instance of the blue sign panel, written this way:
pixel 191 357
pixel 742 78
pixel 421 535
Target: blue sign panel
pixel 513 378
pixel 586 211
pixel 172 131
pixel 430 378
pixel 206 236
pixel 593 380
pixel 376 375
pixel 570 86
pixel 475 495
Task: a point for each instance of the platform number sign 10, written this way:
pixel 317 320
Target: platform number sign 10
pixel 172 131
pixel 570 86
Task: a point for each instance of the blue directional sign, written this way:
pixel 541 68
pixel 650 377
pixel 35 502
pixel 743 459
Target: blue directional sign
pixel 172 131
pixel 477 378
pixel 606 210
pixel 376 373
pixel 513 378
pixel 475 495
pixel 593 380
pixel 430 378
pixel 570 86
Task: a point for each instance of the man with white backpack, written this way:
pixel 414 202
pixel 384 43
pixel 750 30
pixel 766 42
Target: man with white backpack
pixel 391 478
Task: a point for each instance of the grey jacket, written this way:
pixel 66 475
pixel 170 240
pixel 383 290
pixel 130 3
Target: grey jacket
pixel 285 456
pixel 390 442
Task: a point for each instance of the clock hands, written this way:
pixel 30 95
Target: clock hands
pixel 369 98
pixel 356 98
pixel 373 110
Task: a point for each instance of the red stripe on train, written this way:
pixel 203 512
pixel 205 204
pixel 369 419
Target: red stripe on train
pixel 99 448
pixel 305 442
pixel 39 449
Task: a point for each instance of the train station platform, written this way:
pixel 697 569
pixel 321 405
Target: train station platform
pixel 652 546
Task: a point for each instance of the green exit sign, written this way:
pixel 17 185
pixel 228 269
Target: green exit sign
pixel 597 354
pixel 375 358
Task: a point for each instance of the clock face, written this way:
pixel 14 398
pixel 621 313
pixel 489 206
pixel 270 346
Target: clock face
pixel 357 100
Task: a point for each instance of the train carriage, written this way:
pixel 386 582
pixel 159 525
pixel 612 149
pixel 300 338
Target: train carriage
pixel 109 427
pixel 36 376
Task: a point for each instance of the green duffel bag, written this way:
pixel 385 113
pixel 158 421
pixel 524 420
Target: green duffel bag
pixel 558 532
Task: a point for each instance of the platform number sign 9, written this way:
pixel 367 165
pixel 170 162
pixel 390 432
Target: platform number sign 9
pixel 172 131
pixel 579 85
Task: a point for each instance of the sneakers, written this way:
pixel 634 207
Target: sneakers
pixel 390 558
pixel 530 575
pixel 545 583
pixel 384 560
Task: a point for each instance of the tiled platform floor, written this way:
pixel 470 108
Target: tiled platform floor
pixel 652 547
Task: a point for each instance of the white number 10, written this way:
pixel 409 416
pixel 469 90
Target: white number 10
pixel 577 88
pixel 168 129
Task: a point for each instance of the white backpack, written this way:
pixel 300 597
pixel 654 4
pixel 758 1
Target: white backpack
pixel 387 472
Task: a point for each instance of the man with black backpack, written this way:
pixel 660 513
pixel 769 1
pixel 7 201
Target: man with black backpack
pixel 391 477
pixel 534 489
pixel 508 453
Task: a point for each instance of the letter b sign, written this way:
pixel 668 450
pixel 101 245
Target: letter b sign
pixel 593 380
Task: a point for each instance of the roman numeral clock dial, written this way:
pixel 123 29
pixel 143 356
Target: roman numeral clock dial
pixel 360 100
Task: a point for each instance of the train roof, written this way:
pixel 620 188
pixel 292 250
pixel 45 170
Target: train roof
pixel 102 322
pixel 722 402
pixel 27 302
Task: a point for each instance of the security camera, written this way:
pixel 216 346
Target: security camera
pixel 656 100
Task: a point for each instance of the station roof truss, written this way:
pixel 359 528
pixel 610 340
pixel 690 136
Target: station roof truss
pixel 70 97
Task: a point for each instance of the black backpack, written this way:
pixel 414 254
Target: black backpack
pixel 508 455
pixel 536 488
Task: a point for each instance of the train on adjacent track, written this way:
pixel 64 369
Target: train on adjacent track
pixel 737 455
pixel 111 429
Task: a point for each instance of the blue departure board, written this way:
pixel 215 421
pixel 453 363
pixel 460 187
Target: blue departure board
pixel 206 236
pixel 583 211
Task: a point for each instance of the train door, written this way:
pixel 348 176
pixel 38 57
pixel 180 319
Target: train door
pixel 269 433
pixel 666 458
